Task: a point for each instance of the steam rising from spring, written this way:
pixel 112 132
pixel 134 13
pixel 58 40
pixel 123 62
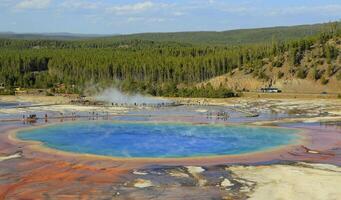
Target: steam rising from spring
pixel 112 95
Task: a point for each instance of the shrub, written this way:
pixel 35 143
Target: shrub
pixel 248 71
pixel 292 70
pixel 49 94
pixel 278 62
pixel 301 73
pixel 7 92
pixel 320 62
pixel 324 81
pixel 206 91
pixel 331 70
pixel 262 75
pixel 280 74
pixel 317 74
pixel 338 76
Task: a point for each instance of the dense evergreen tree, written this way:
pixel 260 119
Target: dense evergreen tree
pixel 158 68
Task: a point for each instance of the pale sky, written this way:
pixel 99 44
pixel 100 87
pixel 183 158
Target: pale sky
pixel 135 16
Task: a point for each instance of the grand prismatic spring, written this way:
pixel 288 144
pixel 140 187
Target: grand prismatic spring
pixel 170 100
pixel 157 140
pixel 178 151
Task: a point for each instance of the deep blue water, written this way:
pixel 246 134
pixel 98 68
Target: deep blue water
pixel 158 140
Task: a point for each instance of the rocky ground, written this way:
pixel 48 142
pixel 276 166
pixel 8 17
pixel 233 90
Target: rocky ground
pixel 275 181
pixel 28 174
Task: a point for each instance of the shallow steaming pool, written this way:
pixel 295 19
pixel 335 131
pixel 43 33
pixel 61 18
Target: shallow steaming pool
pixel 158 140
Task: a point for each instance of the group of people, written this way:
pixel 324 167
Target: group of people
pixel 155 105
pixel 32 118
pixel 219 115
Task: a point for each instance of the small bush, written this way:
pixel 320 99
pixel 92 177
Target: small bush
pixel 278 61
pixel 324 81
pixel 301 73
pixel 248 71
pixel 263 75
pixel 317 74
pixel 7 92
pixel 331 70
pixel 338 76
pixel 280 74
pixel 320 62
pixel 292 70
pixel 49 94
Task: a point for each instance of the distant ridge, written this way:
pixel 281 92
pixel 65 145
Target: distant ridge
pixel 231 37
pixel 50 36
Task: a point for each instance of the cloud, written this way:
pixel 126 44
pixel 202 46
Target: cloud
pixel 32 4
pixel 239 10
pixel 178 13
pixel 80 4
pixel 140 7
pixel 131 8
pixel 5 3
pixel 319 9
pixel 255 10
pixel 147 19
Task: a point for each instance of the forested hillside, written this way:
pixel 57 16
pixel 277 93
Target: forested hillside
pixel 155 67
pixel 316 69
pixel 233 37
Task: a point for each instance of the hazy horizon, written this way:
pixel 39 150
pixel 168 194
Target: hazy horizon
pixel 112 34
pixel 107 17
